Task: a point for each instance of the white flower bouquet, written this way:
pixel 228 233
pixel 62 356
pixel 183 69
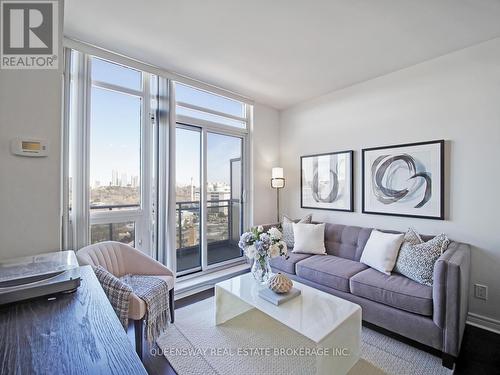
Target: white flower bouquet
pixel 262 246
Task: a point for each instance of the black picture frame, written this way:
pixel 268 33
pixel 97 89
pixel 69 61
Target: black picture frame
pixel 441 179
pixel 351 185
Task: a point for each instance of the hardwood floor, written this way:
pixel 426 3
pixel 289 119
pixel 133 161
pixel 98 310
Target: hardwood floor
pixel 479 354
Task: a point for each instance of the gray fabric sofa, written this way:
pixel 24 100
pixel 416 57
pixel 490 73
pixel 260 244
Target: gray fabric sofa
pixel 434 316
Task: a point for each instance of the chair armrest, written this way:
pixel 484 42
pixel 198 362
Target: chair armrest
pixel 451 294
pixel 138 263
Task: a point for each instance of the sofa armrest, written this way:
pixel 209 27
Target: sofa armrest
pixel 451 294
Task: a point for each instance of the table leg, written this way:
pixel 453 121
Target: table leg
pixel 228 306
pixel 344 345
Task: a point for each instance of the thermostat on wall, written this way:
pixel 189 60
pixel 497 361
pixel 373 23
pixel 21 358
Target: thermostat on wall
pixel 29 147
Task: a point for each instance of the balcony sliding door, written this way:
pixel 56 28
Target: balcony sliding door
pixel 211 139
pixel 223 197
pixel 207 230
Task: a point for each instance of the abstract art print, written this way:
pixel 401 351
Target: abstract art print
pixel 404 180
pixel 327 181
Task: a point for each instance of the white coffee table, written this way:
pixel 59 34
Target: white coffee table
pixel 328 321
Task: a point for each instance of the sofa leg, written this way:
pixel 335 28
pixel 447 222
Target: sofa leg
pixel 171 304
pixel 138 328
pixel 448 360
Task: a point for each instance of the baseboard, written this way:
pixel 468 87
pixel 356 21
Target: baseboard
pixel 483 322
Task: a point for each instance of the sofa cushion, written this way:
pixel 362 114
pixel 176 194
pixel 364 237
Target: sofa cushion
pixel 393 290
pixel 346 241
pixel 329 270
pixel 287 265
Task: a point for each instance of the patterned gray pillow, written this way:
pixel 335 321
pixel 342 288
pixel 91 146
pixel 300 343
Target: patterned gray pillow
pixel 287 227
pixel 417 258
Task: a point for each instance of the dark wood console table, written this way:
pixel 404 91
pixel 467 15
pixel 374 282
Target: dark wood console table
pixel 77 333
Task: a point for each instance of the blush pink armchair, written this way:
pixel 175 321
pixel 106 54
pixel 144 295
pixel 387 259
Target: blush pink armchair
pixel 121 259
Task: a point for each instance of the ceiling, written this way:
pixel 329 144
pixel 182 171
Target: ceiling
pixel 282 52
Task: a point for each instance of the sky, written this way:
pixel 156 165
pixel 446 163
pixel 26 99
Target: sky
pixel 115 136
pixel 220 150
pixel 115 130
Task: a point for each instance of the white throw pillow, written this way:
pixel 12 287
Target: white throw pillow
pixel 309 238
pixel 287 227
pixel 381 251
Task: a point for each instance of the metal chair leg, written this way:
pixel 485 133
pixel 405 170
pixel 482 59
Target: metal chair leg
pixel 138 328
pixel 171 303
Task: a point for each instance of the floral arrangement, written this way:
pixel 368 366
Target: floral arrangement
pixel 262 246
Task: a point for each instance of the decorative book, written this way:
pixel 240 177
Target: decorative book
pixel 278 299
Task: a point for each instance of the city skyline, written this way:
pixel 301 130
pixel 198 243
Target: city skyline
pixel 117 179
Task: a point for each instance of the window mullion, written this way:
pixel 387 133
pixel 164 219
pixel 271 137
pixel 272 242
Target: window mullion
pixel 146 165
pixel 203 201
pixel 81 159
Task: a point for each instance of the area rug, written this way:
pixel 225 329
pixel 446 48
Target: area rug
pixel 245 345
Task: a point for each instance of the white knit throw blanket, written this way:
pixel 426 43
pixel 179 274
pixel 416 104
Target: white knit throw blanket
pixel 154 292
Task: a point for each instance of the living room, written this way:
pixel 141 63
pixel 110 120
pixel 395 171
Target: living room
pixel 255 187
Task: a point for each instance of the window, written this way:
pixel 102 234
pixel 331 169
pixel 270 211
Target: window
pixel 203 105
pixel 110 136
pixel 119 180
pixel 114 74
pixel 116 128
pixel 203 99
pixel 115 150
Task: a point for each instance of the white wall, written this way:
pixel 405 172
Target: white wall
pixel 265 155
pixel 30 106
pixel 455 97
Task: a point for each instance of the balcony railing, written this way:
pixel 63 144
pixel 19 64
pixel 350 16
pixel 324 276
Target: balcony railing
pixel 223 229
pixel 121 232
pixel 113 231
pixel 214 210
